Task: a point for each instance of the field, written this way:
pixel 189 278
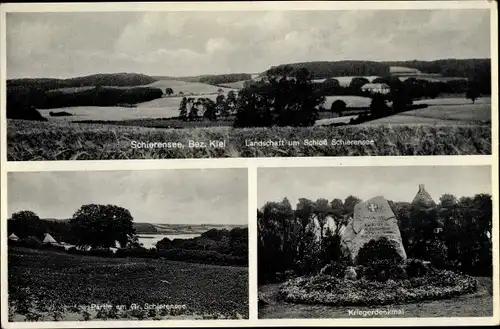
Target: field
pixel 472 305
pixel 47 285
pixel 351 101
pixel 30 140
pixel 445 111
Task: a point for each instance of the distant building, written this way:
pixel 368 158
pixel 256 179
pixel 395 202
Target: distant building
pixel 13 237
pixel 49 239
pixel 376 88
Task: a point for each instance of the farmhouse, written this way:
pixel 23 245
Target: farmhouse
pixel 376 88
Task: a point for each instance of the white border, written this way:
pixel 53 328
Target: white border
pixel 253 163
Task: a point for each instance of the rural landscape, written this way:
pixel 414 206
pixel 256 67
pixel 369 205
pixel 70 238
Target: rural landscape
pixel 119 266
pixel 401 251
pixel 307 104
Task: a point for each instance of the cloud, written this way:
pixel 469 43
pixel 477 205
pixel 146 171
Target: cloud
pixel 191 43
pixel 155 196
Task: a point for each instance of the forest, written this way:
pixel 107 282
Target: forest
pixel 455 234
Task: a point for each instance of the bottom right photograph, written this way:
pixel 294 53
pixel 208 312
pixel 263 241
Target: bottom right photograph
pixel 378 241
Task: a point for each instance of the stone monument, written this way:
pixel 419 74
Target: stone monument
pixel 372 219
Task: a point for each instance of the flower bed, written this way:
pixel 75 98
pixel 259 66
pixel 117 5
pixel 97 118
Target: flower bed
pixel 326 289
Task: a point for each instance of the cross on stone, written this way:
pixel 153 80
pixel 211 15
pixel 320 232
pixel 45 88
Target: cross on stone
pixel 372 207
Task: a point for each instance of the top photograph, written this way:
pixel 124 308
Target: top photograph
pixel 249 82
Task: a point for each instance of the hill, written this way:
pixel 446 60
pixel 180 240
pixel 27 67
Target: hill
pixel 107 79
pixel 211 79
pixel 474 68
pixel 325 69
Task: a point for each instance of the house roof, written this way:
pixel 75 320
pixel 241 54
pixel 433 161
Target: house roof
pixel 13 237
pixel 49 239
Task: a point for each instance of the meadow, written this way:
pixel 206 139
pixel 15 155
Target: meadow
pixel 39 290
pixel 446 111
pixel 472 305
pixel 29 140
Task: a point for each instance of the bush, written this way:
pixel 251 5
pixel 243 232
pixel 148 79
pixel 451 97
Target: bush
pixel 329 290
pixel 100 252
pixel 416 268
pixel 382 270
pixel 31 242
pixel 437 253
pixel 334 269
pixel 375 250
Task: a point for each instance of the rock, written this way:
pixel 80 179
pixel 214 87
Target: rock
pixel 350 274
pixel 372 219
pixel 423 198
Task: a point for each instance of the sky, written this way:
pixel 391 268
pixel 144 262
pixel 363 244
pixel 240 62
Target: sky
pixel 181 196
pixel 394 183
pixel 191 43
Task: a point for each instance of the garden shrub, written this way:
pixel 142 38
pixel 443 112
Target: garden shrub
pixel 436 252
pixel 382 270
pixel 335 269
pixel 375 250
pixel 329 290
pixel 416 268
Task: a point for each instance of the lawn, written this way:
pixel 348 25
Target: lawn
pixel 49 285
pixel 30 140
pixel 479 304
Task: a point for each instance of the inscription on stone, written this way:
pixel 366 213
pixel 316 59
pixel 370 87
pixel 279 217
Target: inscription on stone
pixel 372 219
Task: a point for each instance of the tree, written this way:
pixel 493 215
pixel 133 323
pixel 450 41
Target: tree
pixel 221 106
pixel 183 112
pixel 448 201
pixel 378 105
pixel 169 91
pixel 285 97
pixel 210 110
pixel 231 102
pixel 330 86
pixel 322 210
pixel 472 92
pixel 26 223
pixel 220 90
pixel 357 83
pixel 338 107
pixel 101 225
pixel 399 95
pixel 349 204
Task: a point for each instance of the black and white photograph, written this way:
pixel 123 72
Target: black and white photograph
pixel 375 242
pixel 264 81
pixel 122 245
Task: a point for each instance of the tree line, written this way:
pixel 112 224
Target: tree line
pixel 454 234
pixel 94 229
pixel 192 108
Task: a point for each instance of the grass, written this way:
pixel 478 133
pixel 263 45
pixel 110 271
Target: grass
pixel 29 140
pixel 442 114
pixel 48 285
pixel 477 304
pixel 351 101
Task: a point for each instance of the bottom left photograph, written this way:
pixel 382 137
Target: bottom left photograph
pixel 127 245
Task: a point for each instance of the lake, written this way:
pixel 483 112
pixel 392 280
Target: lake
pixel 149 240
